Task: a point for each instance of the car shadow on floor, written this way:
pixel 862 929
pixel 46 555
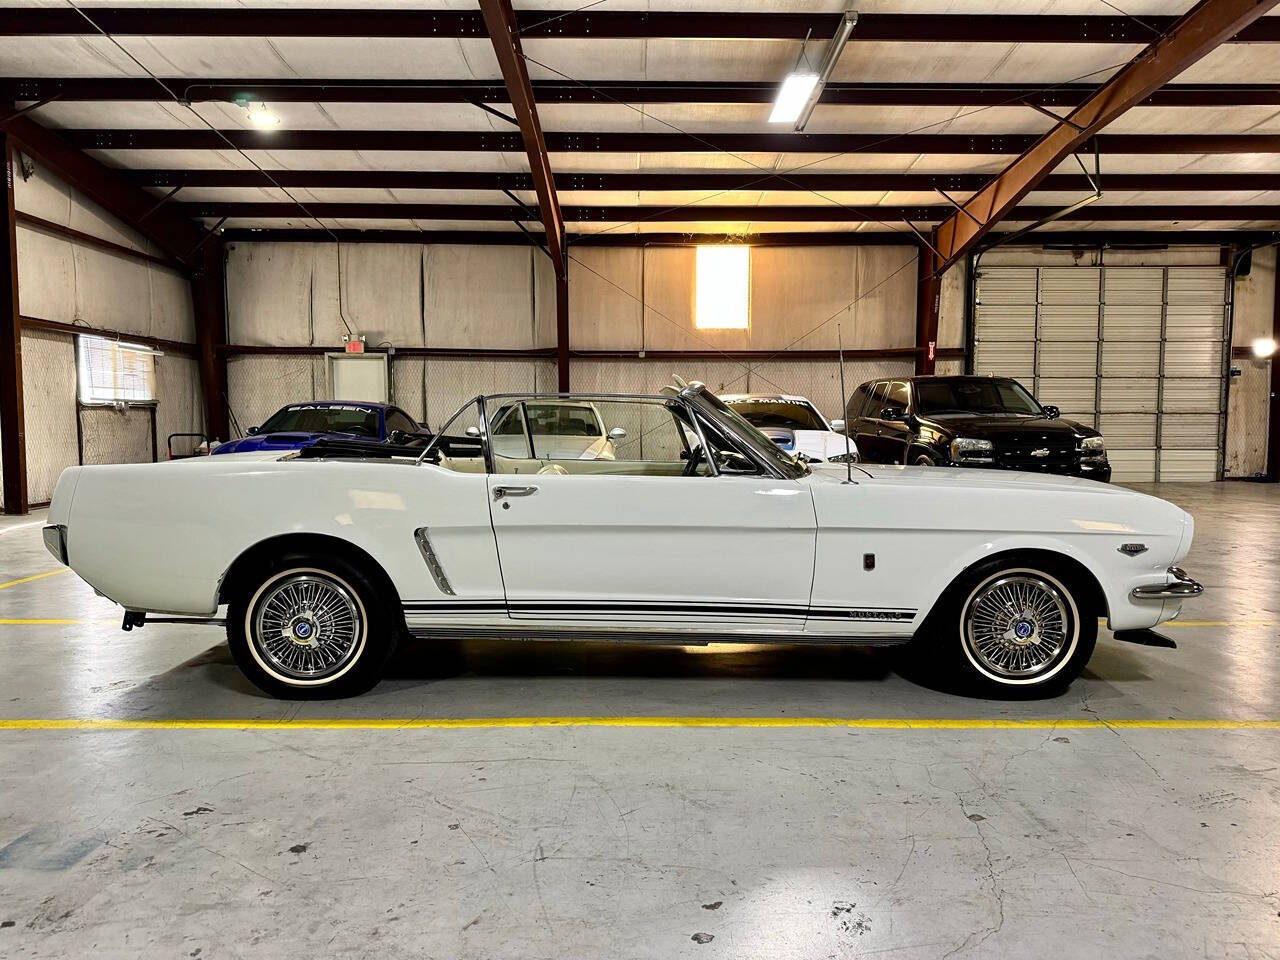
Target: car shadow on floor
pixel 213 682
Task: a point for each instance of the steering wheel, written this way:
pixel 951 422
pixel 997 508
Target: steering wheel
pixel 696 456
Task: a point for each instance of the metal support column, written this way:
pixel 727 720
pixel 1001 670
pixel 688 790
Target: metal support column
pixel 13 444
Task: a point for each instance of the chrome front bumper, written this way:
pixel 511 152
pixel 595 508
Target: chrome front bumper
pixel 1181 588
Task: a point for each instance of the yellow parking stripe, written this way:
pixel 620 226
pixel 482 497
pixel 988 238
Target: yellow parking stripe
pixel 38 576
pixel 36 622
pixel 486 723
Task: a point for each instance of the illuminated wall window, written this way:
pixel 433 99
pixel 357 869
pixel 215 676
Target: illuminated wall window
pixel 723 284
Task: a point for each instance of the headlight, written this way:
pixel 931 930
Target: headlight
pixel 969 450
pixel 851 457
pixel 1093 448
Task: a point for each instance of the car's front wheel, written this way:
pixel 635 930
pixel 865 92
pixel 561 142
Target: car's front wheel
pixel 1013 629
pixel 310 627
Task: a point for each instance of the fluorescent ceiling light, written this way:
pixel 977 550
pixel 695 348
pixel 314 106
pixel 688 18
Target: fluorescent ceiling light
pixel 792 97
pixel 722 283
pixel 1263 347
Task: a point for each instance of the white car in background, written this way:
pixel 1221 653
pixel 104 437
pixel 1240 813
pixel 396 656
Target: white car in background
pixel 795 425
pixel 559 430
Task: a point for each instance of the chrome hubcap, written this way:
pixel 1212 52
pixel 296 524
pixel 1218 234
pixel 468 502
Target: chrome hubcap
pixel 1017 625
pixel 307 626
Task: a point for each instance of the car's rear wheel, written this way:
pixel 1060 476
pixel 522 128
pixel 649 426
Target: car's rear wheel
pixel 310 627
pixel 1013 629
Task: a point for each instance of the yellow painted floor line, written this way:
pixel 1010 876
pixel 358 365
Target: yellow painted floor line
pixel 484 723
pixel 27 622
pixel 38 576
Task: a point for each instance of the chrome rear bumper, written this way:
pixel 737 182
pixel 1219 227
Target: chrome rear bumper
pixel 1181 588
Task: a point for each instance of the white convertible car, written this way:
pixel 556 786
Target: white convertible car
pixel 697 528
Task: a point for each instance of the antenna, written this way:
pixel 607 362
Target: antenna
pixel 844 404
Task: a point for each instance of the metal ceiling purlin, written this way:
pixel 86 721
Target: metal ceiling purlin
pixel 347 90
pixel 500 23
pixel 756 181
pixel 870 213
pixel 616 142
pixel 744 24
pixel 1209 24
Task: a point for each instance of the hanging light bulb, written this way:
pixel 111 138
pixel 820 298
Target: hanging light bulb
pixel 260 116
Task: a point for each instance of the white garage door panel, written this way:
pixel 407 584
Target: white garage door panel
pixel 1132 466
pixel 1074 394
pixel 1007 285
pixel 1140 286
pixel 1006 359
pixel 1069 285
pixel 1188 431
pixel 1131 359
pixel 1129 395
pixel 1069 358
pixel 1146 341
pixel 1191 396
pixel 1008 321
pixel 1193 323
pixel 1069 322
pixel 1188 465
pixel 1131 322
pixel 1193 358
pixel 1129 431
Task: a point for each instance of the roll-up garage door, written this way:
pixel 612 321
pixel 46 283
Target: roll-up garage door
pixel 1138 352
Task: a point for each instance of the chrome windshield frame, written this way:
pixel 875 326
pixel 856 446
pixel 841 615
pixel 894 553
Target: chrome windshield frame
pixel 681 400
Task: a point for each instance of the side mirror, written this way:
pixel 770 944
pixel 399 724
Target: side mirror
pixel 252 430
pixel 472 431
pixel 893 414
pixel 398 437
pixel 1052 412
pixel 837 426
pixel 617 433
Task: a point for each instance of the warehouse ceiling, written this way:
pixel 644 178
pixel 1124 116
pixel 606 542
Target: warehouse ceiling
pixel 655 114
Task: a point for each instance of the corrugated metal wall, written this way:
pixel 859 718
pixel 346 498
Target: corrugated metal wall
pixel 630 300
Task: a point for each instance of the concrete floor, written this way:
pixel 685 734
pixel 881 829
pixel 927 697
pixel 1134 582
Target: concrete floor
pixel 586 841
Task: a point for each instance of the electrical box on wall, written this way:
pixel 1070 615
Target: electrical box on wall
pixel 354 343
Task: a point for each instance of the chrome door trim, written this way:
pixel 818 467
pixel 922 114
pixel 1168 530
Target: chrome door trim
pixel 423 536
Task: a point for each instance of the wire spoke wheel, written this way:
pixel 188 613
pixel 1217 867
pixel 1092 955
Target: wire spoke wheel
pixel 306 626
pixel 1017 625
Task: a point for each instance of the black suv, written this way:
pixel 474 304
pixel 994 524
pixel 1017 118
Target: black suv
pixel 970 422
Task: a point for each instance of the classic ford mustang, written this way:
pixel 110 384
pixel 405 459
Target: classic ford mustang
pixel 695 528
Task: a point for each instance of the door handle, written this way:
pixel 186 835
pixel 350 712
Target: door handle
pixel 502 492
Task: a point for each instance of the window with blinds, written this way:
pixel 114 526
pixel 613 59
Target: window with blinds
pixel 110 371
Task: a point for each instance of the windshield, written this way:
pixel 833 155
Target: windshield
pixel 339 418
pixel 757 441
pixel 787 414
pixel 979 395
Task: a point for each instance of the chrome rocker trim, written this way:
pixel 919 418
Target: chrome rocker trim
pixel 1182 588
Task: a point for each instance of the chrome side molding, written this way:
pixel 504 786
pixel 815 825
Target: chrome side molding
pixel 423 536
pixel 1182 588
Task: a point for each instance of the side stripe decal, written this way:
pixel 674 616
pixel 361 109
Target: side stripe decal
pixel 569 608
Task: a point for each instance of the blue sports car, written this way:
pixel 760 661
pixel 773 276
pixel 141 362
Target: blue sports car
pixel 300 425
